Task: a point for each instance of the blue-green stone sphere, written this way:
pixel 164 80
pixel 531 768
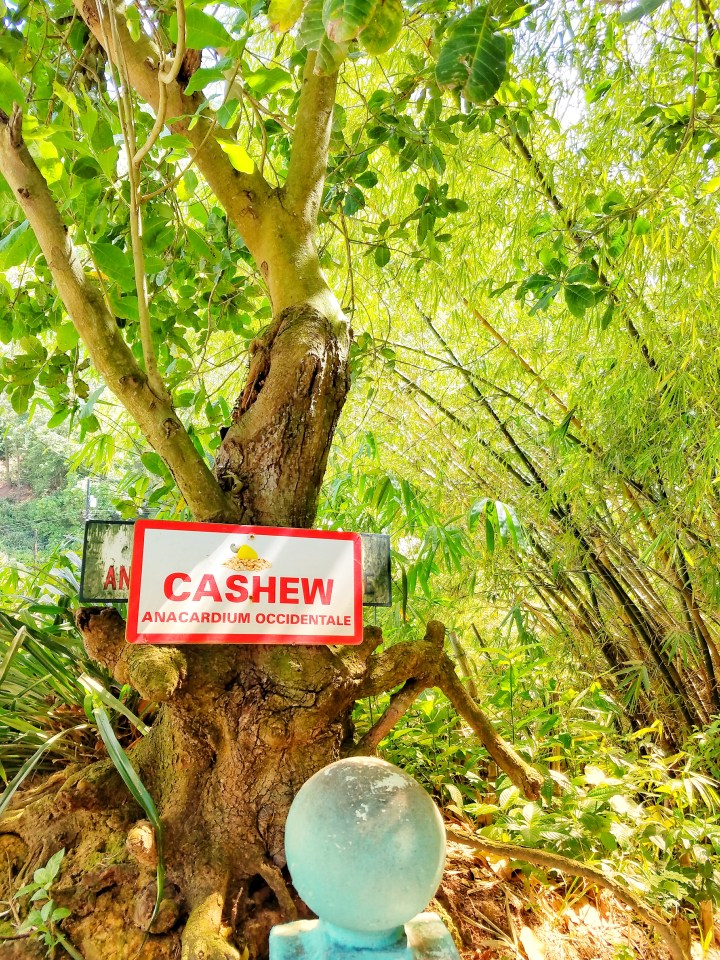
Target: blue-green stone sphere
pixel 365 845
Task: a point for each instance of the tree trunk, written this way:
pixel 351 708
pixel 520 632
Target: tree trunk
pixel 239 728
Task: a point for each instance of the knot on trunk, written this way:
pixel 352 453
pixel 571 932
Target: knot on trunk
pixel 103 634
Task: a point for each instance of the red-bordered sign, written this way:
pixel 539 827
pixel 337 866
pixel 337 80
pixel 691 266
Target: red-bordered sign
pixel 220 583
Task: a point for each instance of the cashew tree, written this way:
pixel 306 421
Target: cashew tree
pixel 168 174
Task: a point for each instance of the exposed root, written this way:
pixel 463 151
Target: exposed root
pixel 275 880
pixel 205 937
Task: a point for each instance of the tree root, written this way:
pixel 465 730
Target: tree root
pixel 205 937
pixel 275 880
pixel 553 861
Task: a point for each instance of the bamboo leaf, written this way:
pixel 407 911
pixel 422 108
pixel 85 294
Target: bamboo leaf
pixel 641 10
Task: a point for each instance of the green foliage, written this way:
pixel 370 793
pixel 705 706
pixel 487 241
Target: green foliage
pixel 474 58
pixel 382 30
pixel 345 19
pixel 650 820
pixel 43 915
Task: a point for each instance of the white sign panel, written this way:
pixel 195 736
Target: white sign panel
pixel 217 583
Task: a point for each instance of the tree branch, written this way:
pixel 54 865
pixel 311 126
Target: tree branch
pixel 155 672
pixel 422 665
pixel 553 861
pixel 399 705
pixel 108 351
pixel 241 194
pixel 309 157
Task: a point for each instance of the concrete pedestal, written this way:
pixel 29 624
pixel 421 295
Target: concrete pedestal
pixel 423 938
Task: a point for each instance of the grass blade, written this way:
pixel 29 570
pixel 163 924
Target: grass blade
pixel 137 789
pixel 29 765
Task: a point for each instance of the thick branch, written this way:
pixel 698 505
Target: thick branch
pixel 241 194
pixel 399 705
pixel 108 351
pixel 422 665
pixel 553 861
pixel 155 672
pixel 403 661
pixel 308 161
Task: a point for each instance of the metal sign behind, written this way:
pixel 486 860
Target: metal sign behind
pixel 107 561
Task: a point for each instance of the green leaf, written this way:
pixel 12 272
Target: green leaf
pixel 283 14
pixel 132 15
pixel 489 534
pixel 66 96
pixel 382 255
pixel 607 316
pixel 238 155
pixel 10 90
pixel 58 417
pixel 582 273
pixel 52 867
pixel 712 186
pixel 89 404
pixel 115 263
pixel 354 201
pixel 329 56
pixel 578 299
pixel 87 168
pixel 311 31
pixel 202 77
pixel 267 80
pixel 137 789
pixel 66 337
pixel 154 464
pixel 344 19
pixel 201 30
pixel 17 246
pixel 383 28
pixel 474 58
pixel 642 9
pixel 641 226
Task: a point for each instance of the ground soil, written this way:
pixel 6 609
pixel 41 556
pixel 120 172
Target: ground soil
pixel 16 493
pixel 493 912
pixel 497 913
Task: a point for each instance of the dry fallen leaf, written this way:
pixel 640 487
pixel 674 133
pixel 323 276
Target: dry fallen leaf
pixel 534 949
pixel 500 866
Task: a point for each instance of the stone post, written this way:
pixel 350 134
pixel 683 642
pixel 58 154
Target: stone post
pixel 365 847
